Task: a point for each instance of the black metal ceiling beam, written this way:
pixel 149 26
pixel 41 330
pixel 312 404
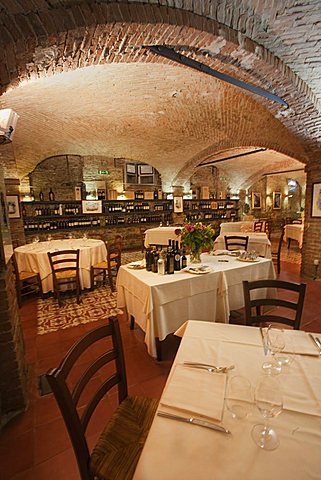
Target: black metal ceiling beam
pixel 188 62
pixel 233 156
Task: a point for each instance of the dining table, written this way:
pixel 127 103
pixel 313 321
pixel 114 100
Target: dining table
pixel 34 257
pixel 161 303
pixel 293 231
pixel 229 227
pixel 159 236
pixel 176 449
pixel 258 242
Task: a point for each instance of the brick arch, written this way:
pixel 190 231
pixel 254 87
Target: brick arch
pixel 61 39
pixel 227 145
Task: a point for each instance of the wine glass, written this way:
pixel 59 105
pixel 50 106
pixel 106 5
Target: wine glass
pixel 275 344
pixel 269 401
pixel 239 396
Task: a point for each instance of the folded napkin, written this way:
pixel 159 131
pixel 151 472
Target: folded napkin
pixel 196 392
pixel 220 252
pixel 299 343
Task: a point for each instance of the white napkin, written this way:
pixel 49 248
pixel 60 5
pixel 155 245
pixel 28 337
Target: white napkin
pixel 299 343
pixel 196 391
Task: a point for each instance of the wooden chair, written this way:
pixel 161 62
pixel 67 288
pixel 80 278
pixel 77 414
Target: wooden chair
pixel 267 229
pixel 26 282
pixel 289 310
pixel 109 267
pixel 276 256
pixel 236 242
pixel 120 444
pixel 258 226
pixel 297 222
pixel 65 270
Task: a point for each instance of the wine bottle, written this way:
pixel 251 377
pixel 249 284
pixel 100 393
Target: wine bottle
pixel 177 257
pixel 161 263
pixel 51 195
pixel 155 260
pixel 184 259
pixel 170 261
pixel 41 196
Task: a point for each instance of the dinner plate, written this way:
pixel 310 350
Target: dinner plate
pixel 198 270
pixel 248 260
pixel 136 266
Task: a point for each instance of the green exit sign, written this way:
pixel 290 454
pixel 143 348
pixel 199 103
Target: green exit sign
pixel 103 172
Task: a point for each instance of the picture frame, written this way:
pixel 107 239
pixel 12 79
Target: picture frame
pixel 316 200
pixel 178 204
pixel 256 200
pixel 92 206
pixel 13 206
pixel 277 200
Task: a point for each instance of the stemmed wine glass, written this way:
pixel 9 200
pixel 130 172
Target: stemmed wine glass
pixel 276 344
pixel 269 401
pixel 239 396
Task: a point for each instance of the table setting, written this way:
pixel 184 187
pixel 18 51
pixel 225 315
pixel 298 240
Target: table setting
pixel 34 257
pixel 241 422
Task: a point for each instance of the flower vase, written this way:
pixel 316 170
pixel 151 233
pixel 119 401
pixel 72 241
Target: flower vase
pixel 195 256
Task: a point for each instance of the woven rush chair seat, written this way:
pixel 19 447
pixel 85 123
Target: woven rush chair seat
pixel 110 267
pixel 117 451
pixel 26 282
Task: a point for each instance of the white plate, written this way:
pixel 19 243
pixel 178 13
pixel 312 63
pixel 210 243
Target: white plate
pixel 247 260
pixel 198 270
pixel 136 266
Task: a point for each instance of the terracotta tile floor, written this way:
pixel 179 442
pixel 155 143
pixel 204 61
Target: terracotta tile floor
pixel 35 445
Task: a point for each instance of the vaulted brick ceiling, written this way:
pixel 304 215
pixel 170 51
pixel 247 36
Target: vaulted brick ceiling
pixel 78 75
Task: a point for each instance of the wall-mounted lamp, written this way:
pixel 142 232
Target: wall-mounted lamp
pixel 8 122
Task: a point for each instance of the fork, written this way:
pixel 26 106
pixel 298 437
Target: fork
pixel 208 367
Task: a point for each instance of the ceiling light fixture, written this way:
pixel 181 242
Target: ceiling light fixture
pixel 169 53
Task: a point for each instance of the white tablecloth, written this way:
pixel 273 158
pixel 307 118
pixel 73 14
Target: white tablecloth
pixel 176 450
pixel 34 257
pixel 229 227
pixel 257 241
pixel 295 232
pixel 161 303
pixel 160 236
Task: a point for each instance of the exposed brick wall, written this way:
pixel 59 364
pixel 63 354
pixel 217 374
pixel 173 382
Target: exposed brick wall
pixel 311 249
pixel 16 224
pixel 13 367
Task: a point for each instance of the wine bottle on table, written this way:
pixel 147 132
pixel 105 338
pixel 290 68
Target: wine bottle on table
pixel 184 259
pixel 170 260
pixel 177 257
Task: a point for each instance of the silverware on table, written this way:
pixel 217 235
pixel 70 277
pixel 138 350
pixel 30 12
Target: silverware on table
pixel 194 421
pixel 209 367
pixel 316 342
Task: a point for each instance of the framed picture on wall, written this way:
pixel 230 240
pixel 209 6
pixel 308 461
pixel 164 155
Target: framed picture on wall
pixel 178 204
pixel 277 197
pixel 316 200
pixel 13 206
pixel 256 200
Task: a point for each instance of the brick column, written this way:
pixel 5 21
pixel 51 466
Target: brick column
pixel 311 249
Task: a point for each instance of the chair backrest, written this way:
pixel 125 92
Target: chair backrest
pixel 68 397
pixel 119 241
pixel 258 226
pixel 288 297
pixel 236 242
pixel 114 256
pixel 298 221
pixel 64 260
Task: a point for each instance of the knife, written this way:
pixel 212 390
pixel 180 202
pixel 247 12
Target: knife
pixel 316 342
pixel 194 421
pixel 265 348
